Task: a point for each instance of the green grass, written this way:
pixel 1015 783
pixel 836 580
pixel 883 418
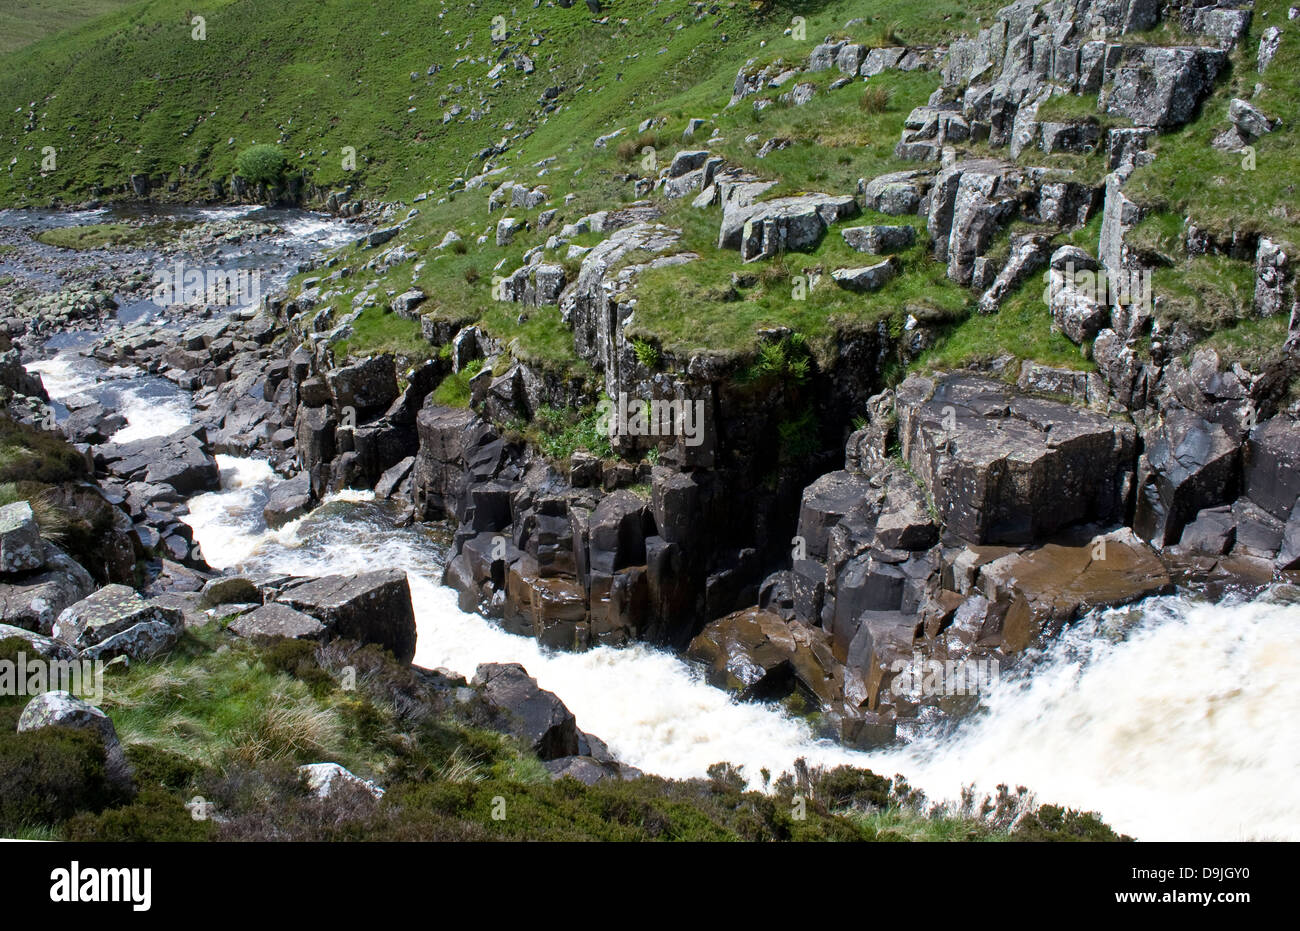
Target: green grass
pixel 23 22
pixel 1216 189
pixel 1255 343
pixel 453 391
pixel 108 235
pixel 1022 328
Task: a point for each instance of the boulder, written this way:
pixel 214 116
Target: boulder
pixel 762 657
pixel 824 504
pixel 1272 466
pixel 142 641
pixel 1189 464
pixel 108 612
pixel 867 278
pixel 588 770
pixel 63 709
pixel 229 589
pixel 46 647
pixel 21 546
pixel 1212 533
pixel 783 224
pixel 288 501
pixel 879 239
pixel 897 193
pixel 532 714
pixel 374 607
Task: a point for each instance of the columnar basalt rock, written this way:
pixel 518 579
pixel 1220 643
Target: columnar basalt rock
pixel 1006 468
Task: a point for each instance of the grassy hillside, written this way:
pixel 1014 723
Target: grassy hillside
pixel 421 90
pixel 134 92
pixel 22 22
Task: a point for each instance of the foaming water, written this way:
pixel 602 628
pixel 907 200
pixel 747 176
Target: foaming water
pixel 151 405
pixel 1174 720
pixel 1180 727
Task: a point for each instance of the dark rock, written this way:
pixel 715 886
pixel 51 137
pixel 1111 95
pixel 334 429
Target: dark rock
pixel 534 715
pixel 288 501
pixel 374 607
pixel 1189 464
pixel 1006 468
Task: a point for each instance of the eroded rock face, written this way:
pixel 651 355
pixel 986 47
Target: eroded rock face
pixel 534 715
pixel 1161 87
pixel 1189 464
pixel 374 607
pixel 1008 468
pixel 590 305
pixel 969 204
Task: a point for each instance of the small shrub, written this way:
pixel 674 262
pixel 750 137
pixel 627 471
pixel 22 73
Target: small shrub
pixel 471 274
pixel 460 247
pixel 297 658
pixel 647 353
pixel 1053 823
pixel 155 815
pixel 49 775
pixel 28 453
pixel 261 164
pixel 874 99
pixel 626 150
pixel 156 767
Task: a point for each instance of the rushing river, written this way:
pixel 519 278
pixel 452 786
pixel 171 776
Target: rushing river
pixel 1174 719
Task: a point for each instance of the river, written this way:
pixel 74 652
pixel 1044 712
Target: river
pixel 1175 719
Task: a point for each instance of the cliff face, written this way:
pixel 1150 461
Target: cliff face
pixel 972 513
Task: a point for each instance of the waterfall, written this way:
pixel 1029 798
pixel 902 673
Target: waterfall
pixel 1174 719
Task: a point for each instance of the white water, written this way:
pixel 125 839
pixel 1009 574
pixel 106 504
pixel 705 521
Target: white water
pixel 1178 724
pixel 151 405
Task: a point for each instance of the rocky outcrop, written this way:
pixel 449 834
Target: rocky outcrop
pixel 792 224
pixel 969 204
pixel 181 461
pixel 1005 468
